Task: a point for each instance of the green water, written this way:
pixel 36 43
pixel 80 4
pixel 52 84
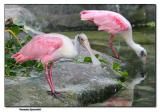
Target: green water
pixel 145 92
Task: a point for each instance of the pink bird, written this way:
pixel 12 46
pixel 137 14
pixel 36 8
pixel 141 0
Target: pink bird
pixel 114 23
pixel 49 48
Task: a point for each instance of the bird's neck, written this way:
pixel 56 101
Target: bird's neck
pixel 76 45
pixel 129 40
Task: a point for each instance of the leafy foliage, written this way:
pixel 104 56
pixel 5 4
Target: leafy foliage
pixel 117 67
pixel 15 28
pixel 89 59
pixel 12 46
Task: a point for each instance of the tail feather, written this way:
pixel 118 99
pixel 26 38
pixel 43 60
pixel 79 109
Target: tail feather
pixel 20 58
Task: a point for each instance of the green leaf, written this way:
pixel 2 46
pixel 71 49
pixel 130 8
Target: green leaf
pixel 39 66
pixel 116 66
pixel 124 73
pixel 103 61
pixel 97 55
pixel 26 39
pixel 15 29
pixel 87 59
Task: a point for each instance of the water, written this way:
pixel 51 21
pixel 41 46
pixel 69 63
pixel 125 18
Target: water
pixel 144 94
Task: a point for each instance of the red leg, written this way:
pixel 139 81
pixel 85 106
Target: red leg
pixel 51 83
pixel 51 80
pixel 48 79
pixel 50 76
pixel 115 53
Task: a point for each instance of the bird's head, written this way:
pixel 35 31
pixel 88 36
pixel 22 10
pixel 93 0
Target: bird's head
pixel 83 40
pixel 142 53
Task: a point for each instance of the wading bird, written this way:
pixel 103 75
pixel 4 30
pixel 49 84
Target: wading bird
pixel 114 23
pixel 49 48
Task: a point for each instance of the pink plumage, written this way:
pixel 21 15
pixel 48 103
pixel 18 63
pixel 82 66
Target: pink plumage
pixel 109 21
pixel 41 48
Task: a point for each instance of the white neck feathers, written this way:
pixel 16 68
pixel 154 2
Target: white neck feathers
pixel 76 44
pixel 130 42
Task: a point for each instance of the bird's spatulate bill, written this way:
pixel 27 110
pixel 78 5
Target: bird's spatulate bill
pixel 95 61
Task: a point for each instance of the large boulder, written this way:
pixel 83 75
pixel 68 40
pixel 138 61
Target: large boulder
pixel 124 97
pixel 82 84
pixel 20 14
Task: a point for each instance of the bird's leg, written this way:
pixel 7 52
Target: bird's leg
pixel 50 75
pixel 51 80
pixel 115 53
pixel 48 79
pixel 52 85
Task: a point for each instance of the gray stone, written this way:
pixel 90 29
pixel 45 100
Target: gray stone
pixel 82 84
pixel 19 14
pixel 124 97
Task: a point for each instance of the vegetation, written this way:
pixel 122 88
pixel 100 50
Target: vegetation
pixel 116 66
pixel 12 46
pixel 102 60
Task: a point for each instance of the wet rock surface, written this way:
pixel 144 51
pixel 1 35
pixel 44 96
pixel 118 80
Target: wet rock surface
pixel 124 97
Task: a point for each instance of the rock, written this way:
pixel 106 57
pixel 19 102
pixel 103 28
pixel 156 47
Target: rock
pixel 19 14
pixel 82 84
pixel 124 97
pixel 24 17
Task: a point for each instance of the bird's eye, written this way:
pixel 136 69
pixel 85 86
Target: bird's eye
pixel 81 39
pixel 142 54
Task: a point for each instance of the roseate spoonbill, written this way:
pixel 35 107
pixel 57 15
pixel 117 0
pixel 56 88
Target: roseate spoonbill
pixel 49 48
pixel 114 23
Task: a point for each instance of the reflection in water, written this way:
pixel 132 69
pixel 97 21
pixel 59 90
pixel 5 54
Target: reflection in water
pixel 140 86
pixel 125 96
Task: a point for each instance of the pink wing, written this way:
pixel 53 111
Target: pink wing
pixel 38 47
pixel 106 20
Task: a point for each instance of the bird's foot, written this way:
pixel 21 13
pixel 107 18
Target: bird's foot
pixel 117 57
pixel 56 94
pixel 122 61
